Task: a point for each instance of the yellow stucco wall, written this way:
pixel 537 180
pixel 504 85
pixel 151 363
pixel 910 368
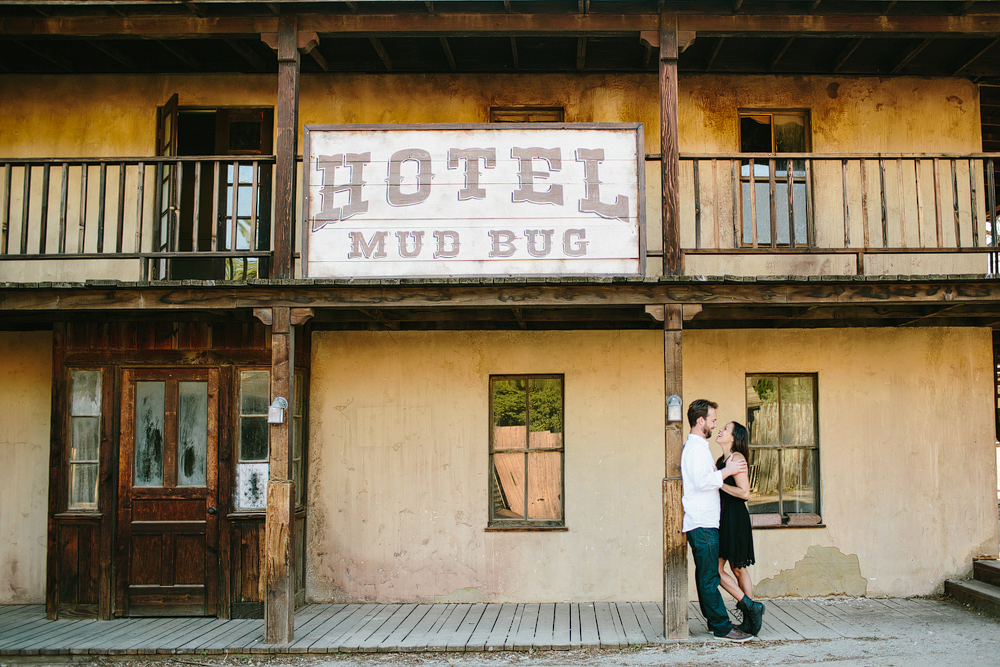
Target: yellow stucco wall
pixel 26 396
pixel 115 116
pixel 399 462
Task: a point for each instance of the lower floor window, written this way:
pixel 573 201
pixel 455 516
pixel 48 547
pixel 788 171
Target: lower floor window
pixel 526 451
pixel 784 448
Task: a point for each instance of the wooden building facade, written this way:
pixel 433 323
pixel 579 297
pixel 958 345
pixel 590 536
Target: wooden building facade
pixel 817 253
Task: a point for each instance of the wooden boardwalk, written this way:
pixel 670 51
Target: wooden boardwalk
pixel 341 628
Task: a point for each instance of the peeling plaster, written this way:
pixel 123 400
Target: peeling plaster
pixel 823 571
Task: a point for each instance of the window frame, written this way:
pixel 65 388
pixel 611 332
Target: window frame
pixel 237 455
pixel 526 112
pixel 70 463
pixel 524 524
pixel 783 518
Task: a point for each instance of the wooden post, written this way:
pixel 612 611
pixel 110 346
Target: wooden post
pixel 279 527
pixel 286 147
pixel 673 261
pixel 675 580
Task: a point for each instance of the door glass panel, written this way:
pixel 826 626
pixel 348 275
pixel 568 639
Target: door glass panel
pixel 251 486
pixel 149 398
pixel 86 438
pixel 192 434
pixel 86 393
pixel 83 486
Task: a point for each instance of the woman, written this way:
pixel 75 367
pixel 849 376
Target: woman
pixel 735 534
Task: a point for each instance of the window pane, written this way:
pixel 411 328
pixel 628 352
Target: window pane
pixel 192 434
pixel 545 396
pixel 797 414
pixel 790 133
pixel 762 410
pixel 253 438
pixel 86 393
pixel 149 433
pixel 544 485
pixel 755 134
pixel 508 471
pixel 254 391
pixel 763 481
pixel 509 414
pixel 798 487
pixel 86 439
pixel 251 486
pixel 83 485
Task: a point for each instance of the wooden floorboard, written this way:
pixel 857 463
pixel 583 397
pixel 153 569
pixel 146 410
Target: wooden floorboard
pixel 332 628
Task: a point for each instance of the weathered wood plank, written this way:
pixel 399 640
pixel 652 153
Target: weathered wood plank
pixel 394 629
pixel 466 629
pixel 561 630
pixel 606 631
pixel 352 641
pixel 484 627
pixel 805 627
pixel 631 628
pixel 544 625
pixel 522 635
pixel 416 634
pixel 320 626
pixel 497 637
pixel 358 616
pixel 589 633
pixel 650 631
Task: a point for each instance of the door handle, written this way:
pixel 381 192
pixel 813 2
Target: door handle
pixel 212 510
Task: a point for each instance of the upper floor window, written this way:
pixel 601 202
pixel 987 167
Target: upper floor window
pixel 784 448
pixel 527 114
pixel 775 132
pixel 526 451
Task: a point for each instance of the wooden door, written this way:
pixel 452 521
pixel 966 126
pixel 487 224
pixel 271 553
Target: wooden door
pixel 168 521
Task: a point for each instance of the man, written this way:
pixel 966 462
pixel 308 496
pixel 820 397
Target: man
pixel 701 515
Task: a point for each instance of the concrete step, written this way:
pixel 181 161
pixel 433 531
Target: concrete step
pixel 987 571
pixel 982 596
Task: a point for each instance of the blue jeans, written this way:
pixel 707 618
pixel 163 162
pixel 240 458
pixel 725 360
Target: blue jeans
pixel 705 547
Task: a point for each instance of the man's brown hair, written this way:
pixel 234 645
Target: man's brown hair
pixel 698 409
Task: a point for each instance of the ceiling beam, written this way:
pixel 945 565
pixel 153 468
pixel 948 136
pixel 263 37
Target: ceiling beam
pixel 194 8
pixel 715 53
pixel 319 59
pixel 848 51
pixel 274 7
pixel 506 6
pixel 914 51
pixel 581 53
pixel 378 316
pixel 447 52
pixel 179 26
pixel 247 54
pixel 973 56
pixel 382 53
pixel 180 53
pixel 965 7
pixel 114 53
pixel 513 52
pixel 814 5
pixel 780 52
pixel 45 53
pixel 737 4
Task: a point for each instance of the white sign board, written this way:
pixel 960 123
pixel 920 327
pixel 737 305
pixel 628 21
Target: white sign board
pixel 473 200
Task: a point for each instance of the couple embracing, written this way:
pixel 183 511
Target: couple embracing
pixel 716 521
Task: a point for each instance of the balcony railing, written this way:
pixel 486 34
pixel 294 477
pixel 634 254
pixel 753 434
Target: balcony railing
pixel 141 218
pixel 895 211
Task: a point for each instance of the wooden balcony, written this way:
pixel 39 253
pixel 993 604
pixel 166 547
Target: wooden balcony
pixel 838 214
pixel 135 219
pixel 210 218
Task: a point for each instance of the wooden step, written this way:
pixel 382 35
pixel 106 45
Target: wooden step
pixel 987 571
pixel 982 596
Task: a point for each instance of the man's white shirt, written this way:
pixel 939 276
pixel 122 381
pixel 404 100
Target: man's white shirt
pixel 701 484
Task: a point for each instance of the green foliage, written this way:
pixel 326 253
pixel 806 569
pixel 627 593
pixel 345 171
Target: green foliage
pixel 766 390
pixel 508 402
pixel 545 400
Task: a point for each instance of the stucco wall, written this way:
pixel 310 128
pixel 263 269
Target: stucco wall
pixel 26 395
pixel 115 116
pixel 399 462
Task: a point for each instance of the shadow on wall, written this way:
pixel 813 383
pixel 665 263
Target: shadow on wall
pixel 823 571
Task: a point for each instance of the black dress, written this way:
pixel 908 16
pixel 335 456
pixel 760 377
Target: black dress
pixel 735 534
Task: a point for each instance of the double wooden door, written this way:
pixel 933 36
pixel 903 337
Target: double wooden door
pixel 168 519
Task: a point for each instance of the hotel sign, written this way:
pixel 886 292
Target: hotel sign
pixel 473 200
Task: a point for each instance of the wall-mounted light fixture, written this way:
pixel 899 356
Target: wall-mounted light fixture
pixel 276 413
pixel 674 405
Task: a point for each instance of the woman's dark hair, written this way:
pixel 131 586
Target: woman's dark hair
pixel 741 443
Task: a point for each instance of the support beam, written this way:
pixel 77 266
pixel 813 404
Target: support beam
pixel 447 52
pixel 319 59
pixel 675 580
pixel 279 522
pixel 715 53
pixel 180 53
pixel 513 52
pixel 581 53
pixel 382 53
pixel 780 53
pixel 673 260
pixel 286 147
pixel 914 51
pixel 814 6
pixel 974 56
pixel 45 53
pixel 114 53
pixel 247 54
pixel 848 51
pixel 888 6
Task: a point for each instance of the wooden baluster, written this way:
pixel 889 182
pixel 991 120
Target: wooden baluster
pixel 697 204
pixel 101 204
pixel 810 219
pixel 140 197
pixel 885 215
pixel 120 230
pixel 253 208
pixel 772 200
pixel 44 226
pixel 975 204
pixel 63 207
pixel 864 205
pixel 175 215
pixel 5 225
pixel 847 206
pixel 82 222
pixel 790 184
pixel 991 197
pixel 215 206
pixel 938 229
pixel 734 168
pixel 716 230
pixel 753 204
pixel 196 216
pixel 902 213
pixel 920 205
pixel 954 203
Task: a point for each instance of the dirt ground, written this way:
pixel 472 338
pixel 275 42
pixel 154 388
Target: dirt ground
pixel 961 637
